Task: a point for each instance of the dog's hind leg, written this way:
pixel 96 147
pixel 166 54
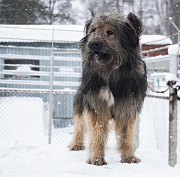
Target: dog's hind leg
pixel 77 142
pixel 98 131
pixel 125 139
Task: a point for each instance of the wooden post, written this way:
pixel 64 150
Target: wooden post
pixel 172 124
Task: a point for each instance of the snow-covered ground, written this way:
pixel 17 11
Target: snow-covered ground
pixel 24 151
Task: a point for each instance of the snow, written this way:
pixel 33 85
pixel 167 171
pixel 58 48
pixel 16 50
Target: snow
pixel 19 114
pixel 24 68
pixel 157 58
pixel 173 49
pixel 41 33
pixel 155 40
pixel 171 77
pixel 167 76
pixel 66 33
pixel 27 154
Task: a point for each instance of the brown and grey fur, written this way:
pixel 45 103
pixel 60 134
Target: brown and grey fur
pixel 113 85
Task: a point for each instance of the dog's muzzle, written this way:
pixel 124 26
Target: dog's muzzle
pixel 96 45
pixel 101 57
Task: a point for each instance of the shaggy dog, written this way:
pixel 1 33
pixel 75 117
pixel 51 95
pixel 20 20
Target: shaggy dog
pixel 113 85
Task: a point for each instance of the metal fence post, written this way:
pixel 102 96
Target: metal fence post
pixel 51 98
pixel 178 40
pixel 172 124
pixel 136 131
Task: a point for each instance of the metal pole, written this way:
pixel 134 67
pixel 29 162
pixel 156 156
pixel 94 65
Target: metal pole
pixel 178 54
pixel 51 99
pixel 136 131
pixel 170 18
pixel 172 124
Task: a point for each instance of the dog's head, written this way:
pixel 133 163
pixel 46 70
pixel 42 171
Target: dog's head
pixel 109 37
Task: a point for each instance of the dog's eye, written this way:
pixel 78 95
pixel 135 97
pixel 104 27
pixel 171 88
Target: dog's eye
pixel 94 30
pixel 109 33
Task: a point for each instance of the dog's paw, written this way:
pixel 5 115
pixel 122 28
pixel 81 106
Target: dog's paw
pixel 76 147
pixel 131 159
pixel 97 161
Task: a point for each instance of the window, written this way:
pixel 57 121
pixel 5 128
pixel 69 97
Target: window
pixel 21 69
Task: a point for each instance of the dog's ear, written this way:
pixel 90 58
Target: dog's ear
pixel 136 23
pixel 133 30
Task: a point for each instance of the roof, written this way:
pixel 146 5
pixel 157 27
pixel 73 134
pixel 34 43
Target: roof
pixel 155 40
pixel 41 33
pixel 66 33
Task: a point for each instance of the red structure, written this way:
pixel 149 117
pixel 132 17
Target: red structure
pixel 149 42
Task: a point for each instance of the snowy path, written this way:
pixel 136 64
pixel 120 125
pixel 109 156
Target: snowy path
pixel 58 161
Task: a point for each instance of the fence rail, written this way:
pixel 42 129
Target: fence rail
pixel 38 57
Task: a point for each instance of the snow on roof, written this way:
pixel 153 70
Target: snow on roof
pixel 66 33
pixel 155 40
pixel 41 33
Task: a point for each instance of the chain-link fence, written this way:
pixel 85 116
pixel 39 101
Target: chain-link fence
pixel 39 75
pixel 24 117
pixel 154 125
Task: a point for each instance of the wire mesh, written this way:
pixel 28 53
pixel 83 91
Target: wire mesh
pixel 24 117
pixel 154 125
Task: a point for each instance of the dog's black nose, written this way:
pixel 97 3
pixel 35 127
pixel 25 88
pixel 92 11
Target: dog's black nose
pixel 96 45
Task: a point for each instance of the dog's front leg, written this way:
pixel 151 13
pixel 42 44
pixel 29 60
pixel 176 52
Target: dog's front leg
pixel 98 131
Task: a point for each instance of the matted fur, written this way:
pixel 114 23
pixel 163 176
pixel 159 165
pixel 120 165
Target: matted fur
pixel 113 85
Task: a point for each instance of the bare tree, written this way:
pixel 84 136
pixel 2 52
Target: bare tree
pixel 59 11
pixel 22 12
pixel 51 15
pixel 173 10
pixel 117 5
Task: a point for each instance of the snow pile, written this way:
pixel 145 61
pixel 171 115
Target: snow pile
pixel 23 68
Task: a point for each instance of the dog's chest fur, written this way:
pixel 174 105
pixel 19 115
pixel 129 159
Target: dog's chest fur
pixel 106 95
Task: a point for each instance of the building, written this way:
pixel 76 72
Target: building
pixel 149 42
